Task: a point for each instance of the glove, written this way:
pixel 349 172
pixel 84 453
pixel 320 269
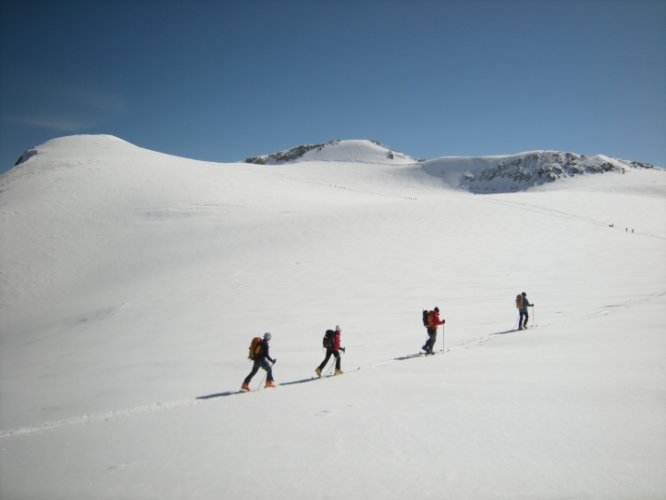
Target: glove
pixel 343 349
pixel 274 360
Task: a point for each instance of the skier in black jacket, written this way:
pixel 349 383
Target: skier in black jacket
pixel 332 350
pixel 261 361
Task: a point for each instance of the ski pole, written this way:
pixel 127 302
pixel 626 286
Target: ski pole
pixel 533 316
pixel 442 339
pixel 330 369
pixel 261 384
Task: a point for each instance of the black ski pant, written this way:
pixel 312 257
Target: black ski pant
pixel 432 337
pixel 260 363
pixel 522 319
pixel 330 352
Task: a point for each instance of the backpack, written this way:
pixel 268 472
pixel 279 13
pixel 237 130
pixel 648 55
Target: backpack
pixel 327 341
pixel 426 317
pixel 519 301
pixel 255 348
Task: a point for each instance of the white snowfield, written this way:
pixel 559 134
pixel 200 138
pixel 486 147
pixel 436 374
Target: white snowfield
pixel 131 284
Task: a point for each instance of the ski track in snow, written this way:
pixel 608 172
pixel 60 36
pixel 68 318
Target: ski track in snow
pixel 169 405
pixel 105 416
pixel 555 213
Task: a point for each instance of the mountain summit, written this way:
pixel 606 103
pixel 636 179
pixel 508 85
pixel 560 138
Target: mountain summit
pixel 360 151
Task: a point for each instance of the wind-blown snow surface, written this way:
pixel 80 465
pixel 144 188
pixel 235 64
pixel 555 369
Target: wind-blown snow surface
pixel 132 283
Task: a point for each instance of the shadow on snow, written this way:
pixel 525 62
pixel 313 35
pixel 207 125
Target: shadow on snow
pixel 311 379
pixel 219 394
pixel 233 393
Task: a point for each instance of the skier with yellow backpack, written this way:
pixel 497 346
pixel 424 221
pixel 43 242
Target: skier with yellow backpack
pixel 522 304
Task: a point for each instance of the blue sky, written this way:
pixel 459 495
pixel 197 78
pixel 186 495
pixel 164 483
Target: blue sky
pixel 224 80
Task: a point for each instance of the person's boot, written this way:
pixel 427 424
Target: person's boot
pixel 270 384
pixel 318 372
pixel 245 387
pixel 338 371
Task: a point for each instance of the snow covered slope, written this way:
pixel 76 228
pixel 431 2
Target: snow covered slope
pixel 132 283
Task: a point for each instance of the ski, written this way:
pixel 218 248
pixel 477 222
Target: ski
pixel 329 375
pixel 423 354
pixel 426 354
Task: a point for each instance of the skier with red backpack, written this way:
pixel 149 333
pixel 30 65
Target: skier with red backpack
pixel 260 355
pixel 431 321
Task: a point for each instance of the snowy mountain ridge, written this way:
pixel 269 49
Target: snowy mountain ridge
pixel 491 174
pixel 488 174
pixel 523 171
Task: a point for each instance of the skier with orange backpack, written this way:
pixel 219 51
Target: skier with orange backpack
pixel 259 354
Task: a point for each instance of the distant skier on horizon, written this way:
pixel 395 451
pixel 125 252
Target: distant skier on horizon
pixel 431 321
